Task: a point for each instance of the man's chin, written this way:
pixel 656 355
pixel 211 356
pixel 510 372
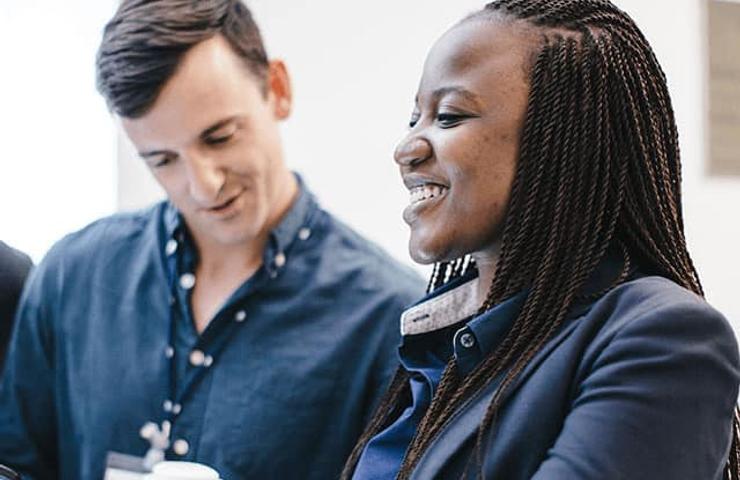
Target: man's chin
pixel 225 236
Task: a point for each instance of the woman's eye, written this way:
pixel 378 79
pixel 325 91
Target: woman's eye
pixel 446 120
pixel 414 120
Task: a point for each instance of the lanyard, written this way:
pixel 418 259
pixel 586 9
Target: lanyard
pixel 209 346
pixel 216 336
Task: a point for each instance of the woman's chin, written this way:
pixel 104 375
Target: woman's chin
pixel 426 253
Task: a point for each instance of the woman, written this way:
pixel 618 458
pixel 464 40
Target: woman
pixel 565 335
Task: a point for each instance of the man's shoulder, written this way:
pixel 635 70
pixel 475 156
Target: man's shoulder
pixel 118 232
pixel 368 263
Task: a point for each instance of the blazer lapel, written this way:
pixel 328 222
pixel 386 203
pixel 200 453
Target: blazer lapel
pixel 464 423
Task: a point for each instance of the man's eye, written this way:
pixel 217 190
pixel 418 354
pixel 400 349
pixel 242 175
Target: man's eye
pixel 159 162
pixel 218 140
pixel 447 120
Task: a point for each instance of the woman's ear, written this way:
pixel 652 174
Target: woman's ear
pixel 278 89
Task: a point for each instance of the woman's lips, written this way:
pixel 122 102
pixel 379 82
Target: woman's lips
pixel 422 198
pixel 426 192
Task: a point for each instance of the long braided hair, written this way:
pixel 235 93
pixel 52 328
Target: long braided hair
pixel 598 167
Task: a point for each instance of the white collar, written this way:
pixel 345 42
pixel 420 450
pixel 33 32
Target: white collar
pixel 441 311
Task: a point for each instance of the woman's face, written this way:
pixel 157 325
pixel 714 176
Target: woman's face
pixel 459 158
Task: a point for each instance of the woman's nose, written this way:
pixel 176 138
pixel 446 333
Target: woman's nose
pixel 412 150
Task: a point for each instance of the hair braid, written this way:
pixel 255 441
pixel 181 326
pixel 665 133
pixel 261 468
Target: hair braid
pixel 598 166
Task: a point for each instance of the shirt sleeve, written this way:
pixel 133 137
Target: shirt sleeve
pixel 27 406
pixel 656 401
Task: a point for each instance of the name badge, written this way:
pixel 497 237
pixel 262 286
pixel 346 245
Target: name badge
pixel 119 466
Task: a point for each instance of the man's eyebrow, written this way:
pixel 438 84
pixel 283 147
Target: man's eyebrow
pixel 153 153
pixel 207 132
pixel 221 123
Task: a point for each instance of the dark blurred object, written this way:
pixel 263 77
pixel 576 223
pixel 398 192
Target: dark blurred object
pixel 14 267
pixel 8 474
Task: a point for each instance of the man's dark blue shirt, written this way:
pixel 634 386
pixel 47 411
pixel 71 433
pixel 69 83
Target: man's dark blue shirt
pixel 287 372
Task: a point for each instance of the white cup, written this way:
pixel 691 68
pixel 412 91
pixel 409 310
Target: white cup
pixel 182 471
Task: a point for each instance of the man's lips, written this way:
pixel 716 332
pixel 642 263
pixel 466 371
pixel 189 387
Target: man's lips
pixel 224 205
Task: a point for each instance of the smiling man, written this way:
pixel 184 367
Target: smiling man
pixel 236 324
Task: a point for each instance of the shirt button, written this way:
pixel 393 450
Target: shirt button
pixel 187 281
pixel 467 340
pixel 171 246
pixel 176 408
pixel 167 405
pixel 197 358
pixel 240 316
pixel 280 260
pixel 169 352
pixel 180 447
pixel 149 430
pixel 207 361
pixel 304 233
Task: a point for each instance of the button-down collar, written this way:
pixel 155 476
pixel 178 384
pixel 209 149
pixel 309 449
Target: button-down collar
pixel 477 336
pixel 294 224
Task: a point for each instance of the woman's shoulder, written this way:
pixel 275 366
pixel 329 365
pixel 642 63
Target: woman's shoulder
pixel 652 314
pixel 659 298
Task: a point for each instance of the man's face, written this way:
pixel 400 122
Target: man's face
pixel 211 140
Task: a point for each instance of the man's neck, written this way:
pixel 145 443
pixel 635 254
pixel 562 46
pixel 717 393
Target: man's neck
pixel 223 268
pixel 215 256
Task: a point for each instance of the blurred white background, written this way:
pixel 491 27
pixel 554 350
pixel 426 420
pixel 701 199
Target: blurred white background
pixel 355 66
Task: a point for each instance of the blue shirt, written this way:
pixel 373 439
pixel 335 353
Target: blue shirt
pixel 648 351
pixel 282 380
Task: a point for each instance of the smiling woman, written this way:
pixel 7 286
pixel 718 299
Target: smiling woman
pixel 564 335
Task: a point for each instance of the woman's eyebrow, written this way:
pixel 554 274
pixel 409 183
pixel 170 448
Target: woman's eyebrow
pixel 456 90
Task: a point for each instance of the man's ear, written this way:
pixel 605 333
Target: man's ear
pixel 278 89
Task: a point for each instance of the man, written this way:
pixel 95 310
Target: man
pixel 236 325
pixel 14 267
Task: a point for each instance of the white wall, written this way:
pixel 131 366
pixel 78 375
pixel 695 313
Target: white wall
pixel 355 66
pixel 57 151
pixel 711 204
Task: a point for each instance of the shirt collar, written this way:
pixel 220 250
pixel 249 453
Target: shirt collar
pixel 296 219
pixel 450 305
pixel 458 300
pixel 295 222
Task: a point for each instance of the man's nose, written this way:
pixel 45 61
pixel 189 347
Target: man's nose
pixel 205 179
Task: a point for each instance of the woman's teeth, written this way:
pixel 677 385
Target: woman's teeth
pixel 426 192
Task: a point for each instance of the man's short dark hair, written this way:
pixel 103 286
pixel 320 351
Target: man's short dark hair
pixel 146 39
